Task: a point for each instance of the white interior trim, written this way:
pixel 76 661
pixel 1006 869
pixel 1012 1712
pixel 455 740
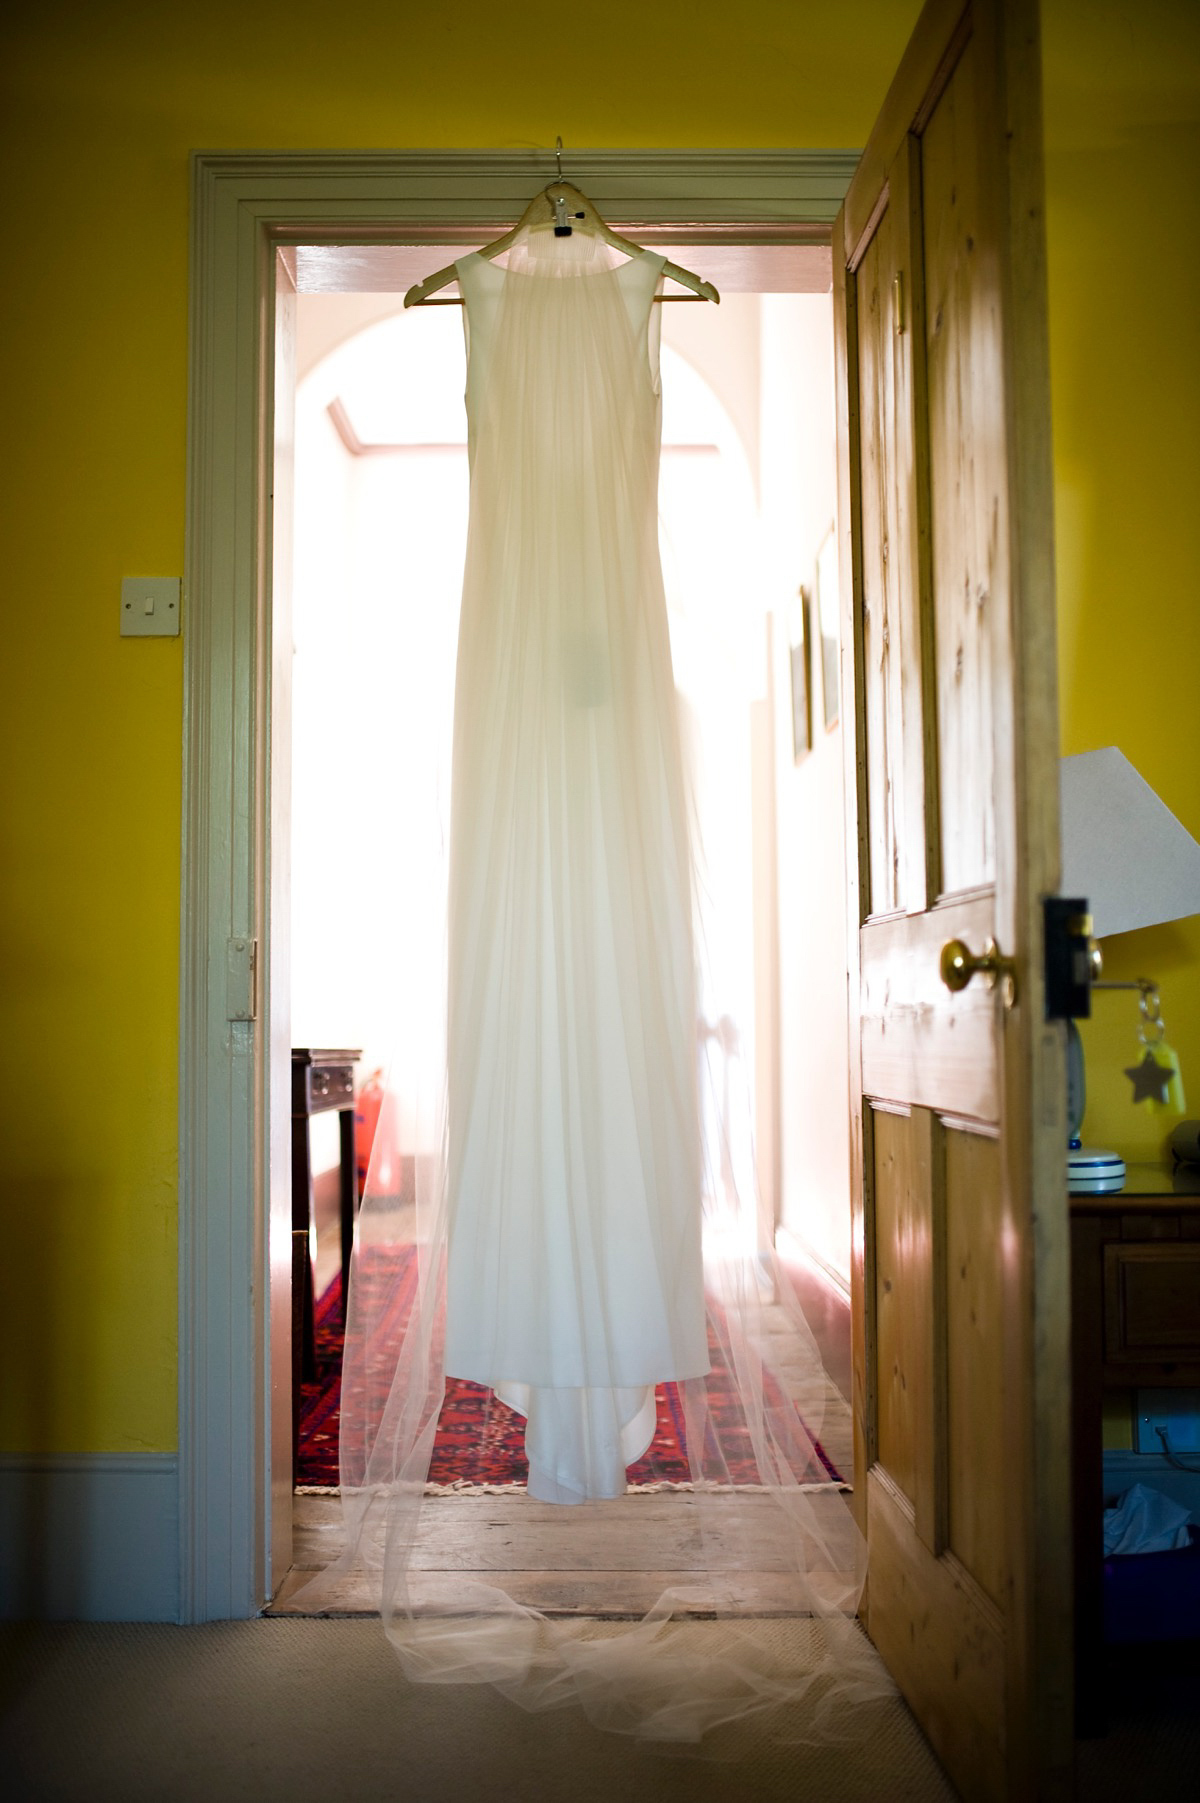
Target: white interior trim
pixel 233 1093
pixel 89 1537
pixel 794 1249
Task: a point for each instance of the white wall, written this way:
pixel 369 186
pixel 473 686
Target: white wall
pixel 724 345
pixel 774 375
pixel 769 361
pixel 799 499
pixel 377 574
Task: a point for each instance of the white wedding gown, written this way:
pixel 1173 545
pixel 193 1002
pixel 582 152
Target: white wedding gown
pixel 574 1280
pixel 554 1224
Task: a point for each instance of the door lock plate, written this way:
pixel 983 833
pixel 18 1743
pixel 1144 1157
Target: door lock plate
pixel 1073 960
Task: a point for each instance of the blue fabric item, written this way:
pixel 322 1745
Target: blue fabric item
pixel 1153 1596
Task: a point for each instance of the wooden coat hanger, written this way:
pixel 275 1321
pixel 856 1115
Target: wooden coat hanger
pixel 567 209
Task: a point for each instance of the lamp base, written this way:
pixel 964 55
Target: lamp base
pixel 1091 1172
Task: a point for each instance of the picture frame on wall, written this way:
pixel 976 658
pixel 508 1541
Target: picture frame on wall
pixel 798 636
pixel 827 608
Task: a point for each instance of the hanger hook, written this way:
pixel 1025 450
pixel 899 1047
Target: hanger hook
pixel 558 155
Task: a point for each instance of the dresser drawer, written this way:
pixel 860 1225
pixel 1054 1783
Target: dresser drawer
pixel 1152 1302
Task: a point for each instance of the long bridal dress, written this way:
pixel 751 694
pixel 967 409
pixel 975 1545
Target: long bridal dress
pixel 559 1221
pixel 574 1281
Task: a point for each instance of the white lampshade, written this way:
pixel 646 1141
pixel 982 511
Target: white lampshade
pixel 1123 849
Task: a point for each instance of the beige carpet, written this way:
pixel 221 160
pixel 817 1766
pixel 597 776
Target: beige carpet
pixel 318 1712
pixel 312 1711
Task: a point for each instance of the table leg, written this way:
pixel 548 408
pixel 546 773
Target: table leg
pixel 348 1200
pixel 304 1304
pixel 300 1257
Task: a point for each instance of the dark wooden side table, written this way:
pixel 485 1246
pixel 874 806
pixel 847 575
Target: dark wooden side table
pixel 322 1080
pixel 1135 1324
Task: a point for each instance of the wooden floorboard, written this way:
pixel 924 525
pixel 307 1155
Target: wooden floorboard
pixel 667 1530
pixel 546 1557
pixel 616 1595
pixel 634 1548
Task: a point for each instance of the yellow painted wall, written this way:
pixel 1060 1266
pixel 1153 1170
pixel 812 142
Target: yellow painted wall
pixel 1123 156
pixel 100 105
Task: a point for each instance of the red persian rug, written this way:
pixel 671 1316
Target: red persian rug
pixel 482 1441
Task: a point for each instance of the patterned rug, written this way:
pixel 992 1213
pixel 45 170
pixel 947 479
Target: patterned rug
pixel 480 1441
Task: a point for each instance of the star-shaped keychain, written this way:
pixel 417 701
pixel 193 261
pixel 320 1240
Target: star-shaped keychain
pixel 1151 1080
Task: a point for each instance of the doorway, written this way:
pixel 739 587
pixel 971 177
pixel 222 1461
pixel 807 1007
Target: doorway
pixel 235 1116
pixel 746 504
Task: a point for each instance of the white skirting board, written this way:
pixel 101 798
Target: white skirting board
pixel 89 1537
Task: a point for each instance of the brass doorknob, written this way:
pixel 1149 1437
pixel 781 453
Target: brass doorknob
pixel 958 964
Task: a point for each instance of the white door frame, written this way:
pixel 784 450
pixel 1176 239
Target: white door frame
pixel 234 1126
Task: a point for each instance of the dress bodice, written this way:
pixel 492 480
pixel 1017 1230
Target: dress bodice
pixel 579 320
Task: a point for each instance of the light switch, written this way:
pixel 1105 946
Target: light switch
pixel 150 607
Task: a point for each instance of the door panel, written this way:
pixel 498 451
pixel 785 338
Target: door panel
pixel 905 1228
pixel 918 1041
pixel 966 459
pixel 883 661
pixel 957 1686
pixel 960 1234
pixel 975 1336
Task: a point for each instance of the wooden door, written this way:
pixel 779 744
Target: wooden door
pixel 960 1216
